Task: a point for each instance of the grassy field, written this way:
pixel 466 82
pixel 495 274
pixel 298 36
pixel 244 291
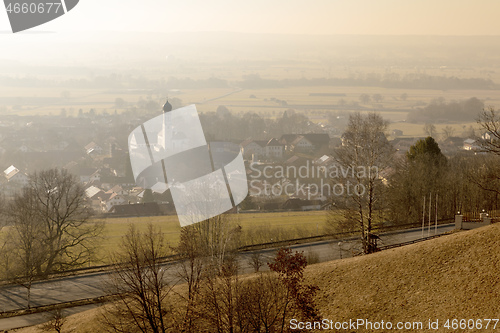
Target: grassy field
pixel 260 227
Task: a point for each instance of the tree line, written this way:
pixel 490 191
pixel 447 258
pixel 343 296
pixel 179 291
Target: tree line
pixel 465 182
pixel 255 81
pixel 454 111
pixel 224 125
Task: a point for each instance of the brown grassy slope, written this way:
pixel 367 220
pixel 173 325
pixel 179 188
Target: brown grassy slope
pixel 456 276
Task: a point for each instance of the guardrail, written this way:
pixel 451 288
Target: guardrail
pixel 57 306
pixel 353 234
pixel 391 246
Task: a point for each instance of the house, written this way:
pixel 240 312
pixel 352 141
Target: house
pixel 113 200
pixel 324 161
pixel 95 195
pixel 274 149
pixel 85 174
pixel 13 175
pixel 95 177
pixel 305 142
pixel 118 190
pixel 471 144
pixel 318 140
pixel 93 192
pixel 403 144
pixel 137 209
pixel 488 136
pixel 93 148
pixel 302 204
pixel 258 149
pixel 396 133
pixel 251 148
pixel 301 145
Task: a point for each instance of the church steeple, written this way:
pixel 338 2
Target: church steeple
pixel 167 107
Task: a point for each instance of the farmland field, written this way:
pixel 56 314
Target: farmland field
pixel 266 102
pixel 257 227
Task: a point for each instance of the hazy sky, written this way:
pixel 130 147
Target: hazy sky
pixel 399 17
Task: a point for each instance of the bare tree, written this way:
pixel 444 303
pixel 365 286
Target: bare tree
pixel 256 260
pixel 191 271
pixel 430 130
pixel 364 98
pixel 264 303
pixel 365 151
pixel 489 120
pixel 140 284
pixel 24 252
pixel 448 132
pixel 219 237
pixel 55 208
pixel 218 306
pixel 56 322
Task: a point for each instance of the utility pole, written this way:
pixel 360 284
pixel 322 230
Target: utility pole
pixel 423 219
pixel 430 204
pixel 436 228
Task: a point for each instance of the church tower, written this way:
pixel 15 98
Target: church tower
pixel 162 140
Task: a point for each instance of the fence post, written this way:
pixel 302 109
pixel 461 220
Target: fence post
pixel 458 222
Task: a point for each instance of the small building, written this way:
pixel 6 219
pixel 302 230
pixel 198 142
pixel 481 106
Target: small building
pixel 259 149
pixel 471 144
pixel 396 133
pixel 93 148
pixel 13 175
pixel 302 204
pixel 137 209
pixel 114 200
pixel 251 148
pixel 301 145
pixel 488 136
pixel 305 142
pixel 274 149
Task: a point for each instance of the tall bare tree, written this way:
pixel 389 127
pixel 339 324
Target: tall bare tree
pixel 140 283
pixel 365 151
pixel 24 250
pixel 430 130
pixel 191 270
pixel 219 237
pixel 54 206
pixel 448 132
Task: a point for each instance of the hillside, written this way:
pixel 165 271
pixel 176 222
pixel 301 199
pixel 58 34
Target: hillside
pixel 455 276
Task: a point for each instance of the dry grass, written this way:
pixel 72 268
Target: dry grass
pixel 449 277
pixel 257 227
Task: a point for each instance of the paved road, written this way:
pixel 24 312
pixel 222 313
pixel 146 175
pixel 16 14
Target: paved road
pixel 92 285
